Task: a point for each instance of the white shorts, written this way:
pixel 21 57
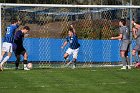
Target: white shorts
pixel 7 47
pixel 73 51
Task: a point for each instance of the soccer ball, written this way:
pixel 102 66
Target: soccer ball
pixel 137 65
pixel 29 65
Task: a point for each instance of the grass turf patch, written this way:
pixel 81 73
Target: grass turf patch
pixel 82 80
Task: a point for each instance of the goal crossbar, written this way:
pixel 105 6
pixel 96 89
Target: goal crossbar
pixel 74 6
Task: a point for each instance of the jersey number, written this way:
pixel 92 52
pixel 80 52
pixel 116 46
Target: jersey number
pixel 8 30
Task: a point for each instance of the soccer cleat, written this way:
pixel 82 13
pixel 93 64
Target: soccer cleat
pixel 124 67
pixel 68 64
pixel 129 67
pixel 73 67
pixel 26 68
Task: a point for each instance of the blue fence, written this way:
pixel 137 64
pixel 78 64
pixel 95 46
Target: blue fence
pixel 46 49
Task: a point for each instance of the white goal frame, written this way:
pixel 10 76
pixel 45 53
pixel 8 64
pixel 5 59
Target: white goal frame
pixel 130 7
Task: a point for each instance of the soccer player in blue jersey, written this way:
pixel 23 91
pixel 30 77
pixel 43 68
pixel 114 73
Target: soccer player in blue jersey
pixel 72 39
pixel 7 46
pixel 20 50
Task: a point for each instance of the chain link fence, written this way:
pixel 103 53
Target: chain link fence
pixel 49 28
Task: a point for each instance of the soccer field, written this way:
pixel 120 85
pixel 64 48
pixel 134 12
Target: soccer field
pixel 82 80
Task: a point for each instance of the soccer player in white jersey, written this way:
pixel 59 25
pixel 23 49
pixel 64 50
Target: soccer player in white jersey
pixel 72 39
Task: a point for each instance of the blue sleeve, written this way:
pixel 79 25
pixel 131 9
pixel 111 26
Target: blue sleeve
pixel 67 39
pixel 16 26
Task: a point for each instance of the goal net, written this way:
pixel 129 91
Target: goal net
pixel 49 24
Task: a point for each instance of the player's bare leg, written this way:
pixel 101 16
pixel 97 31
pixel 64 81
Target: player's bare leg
pixel 66 55
pixel 4 60
pixel 67 61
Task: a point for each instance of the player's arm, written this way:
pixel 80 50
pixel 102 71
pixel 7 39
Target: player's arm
pixel 65 43
pixel 73 29
pixel 135 24
pixel 18 24
pixel 118 37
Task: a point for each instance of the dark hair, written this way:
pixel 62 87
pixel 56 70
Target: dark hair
pixel 14 21
pixel 27 28
pixel 123 21
pixel 71 30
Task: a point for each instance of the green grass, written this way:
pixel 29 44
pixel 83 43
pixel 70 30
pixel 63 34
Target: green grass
pixel 89 80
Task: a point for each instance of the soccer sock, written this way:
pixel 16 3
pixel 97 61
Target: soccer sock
pixel 138 59
pixel 17 61
pixel 25 63
pixel 1 57
pixel 128 61
pixel 74 62
pixel 5 59
pixel 17 64
pixel 135 58
pixel 123 61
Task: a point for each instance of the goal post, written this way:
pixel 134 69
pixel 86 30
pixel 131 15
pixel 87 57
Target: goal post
pixel 49 23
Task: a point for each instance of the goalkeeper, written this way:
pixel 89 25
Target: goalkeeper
pixel 72 39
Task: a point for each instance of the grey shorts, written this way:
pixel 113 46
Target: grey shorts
pixel 137 48
pixel 125 45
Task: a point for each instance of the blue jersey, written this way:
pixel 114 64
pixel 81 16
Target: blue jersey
pixel 73 42
pixel 9 35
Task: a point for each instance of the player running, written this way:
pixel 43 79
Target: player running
pixel 20 50
pixel 74 46
pixel 125 42
pixel 7 46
